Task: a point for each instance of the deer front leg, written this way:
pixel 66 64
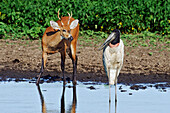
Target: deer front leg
pixel 63 56
pixel 72 55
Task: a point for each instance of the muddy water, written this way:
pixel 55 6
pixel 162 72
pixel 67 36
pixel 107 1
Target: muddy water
pixel 24 97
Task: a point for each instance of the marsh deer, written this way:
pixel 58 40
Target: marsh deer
pixel 61 37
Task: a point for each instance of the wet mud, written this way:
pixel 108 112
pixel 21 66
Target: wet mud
pixel 20 60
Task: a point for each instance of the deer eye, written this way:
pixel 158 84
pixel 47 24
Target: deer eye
pixel 64 30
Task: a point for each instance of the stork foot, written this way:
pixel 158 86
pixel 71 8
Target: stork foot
pixel 115 100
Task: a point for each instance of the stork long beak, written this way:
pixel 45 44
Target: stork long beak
pixel 111 37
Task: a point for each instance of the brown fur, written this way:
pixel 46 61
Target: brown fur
pixel 53 43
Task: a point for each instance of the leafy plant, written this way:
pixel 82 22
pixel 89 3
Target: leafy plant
pixel 150 53
pixel 24 18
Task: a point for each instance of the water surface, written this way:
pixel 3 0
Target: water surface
pixel 24 97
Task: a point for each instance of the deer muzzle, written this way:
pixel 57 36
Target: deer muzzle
pixel 70 38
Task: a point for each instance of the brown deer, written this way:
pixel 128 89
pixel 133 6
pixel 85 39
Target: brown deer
pixel 61 37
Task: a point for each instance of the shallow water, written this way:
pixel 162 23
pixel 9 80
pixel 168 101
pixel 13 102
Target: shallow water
pixel 24 97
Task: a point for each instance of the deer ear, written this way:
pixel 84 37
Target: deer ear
pixel 74 24
pixel 54 25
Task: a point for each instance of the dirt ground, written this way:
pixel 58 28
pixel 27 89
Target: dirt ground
pixel 22 59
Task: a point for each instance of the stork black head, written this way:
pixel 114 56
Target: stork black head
pixel 113 38
pixel 117 37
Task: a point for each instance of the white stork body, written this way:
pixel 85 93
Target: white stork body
pixel 113 61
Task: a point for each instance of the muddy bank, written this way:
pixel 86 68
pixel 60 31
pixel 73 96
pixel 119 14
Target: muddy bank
pixel 22 59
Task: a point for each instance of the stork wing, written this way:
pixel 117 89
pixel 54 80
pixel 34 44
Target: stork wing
pixel 108 40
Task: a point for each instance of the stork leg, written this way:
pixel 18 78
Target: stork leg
pixel 109 107
pixel 116 96
pixel 116 85
pixel 116 90
pixel 44 60
pixel 109 86
pixel 109 94
pixel 109 91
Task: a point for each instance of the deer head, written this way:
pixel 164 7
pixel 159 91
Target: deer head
pixel 66 27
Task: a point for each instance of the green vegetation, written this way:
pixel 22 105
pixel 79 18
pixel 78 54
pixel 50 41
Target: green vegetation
pixel 28 19
pixel 150 53
pixel 144 39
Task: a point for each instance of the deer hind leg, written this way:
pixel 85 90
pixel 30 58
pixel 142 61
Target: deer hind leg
pixel 44 60
pixel 63 56
pixel 72 55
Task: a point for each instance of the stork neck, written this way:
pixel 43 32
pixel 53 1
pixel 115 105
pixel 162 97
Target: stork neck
pixel 113 45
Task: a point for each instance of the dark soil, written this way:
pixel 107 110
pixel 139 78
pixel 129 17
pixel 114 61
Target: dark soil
pixel 22 59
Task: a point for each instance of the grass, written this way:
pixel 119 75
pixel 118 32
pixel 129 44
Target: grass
pixel 150 53
pixel 144 39
pixel 10 43
pixel 95 39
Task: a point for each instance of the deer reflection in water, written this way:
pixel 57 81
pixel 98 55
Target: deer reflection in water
pixel 72 108
pixel 42 99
